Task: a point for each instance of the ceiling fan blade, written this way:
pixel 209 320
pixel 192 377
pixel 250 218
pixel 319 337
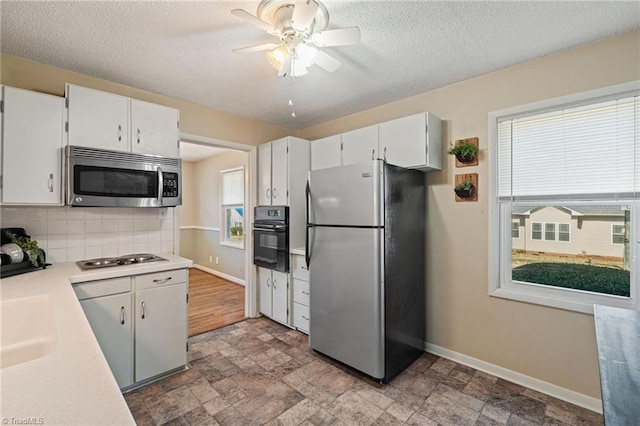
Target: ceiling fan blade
pixel 327 62
pixel 303 13
pixel 256 48
pixel 255 21
pixel 339 37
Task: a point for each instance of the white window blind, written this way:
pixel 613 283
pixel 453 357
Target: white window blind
pixel 577 152
pixel 233 187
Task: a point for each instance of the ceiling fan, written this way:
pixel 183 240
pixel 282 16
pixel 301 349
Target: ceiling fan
pixel 299 25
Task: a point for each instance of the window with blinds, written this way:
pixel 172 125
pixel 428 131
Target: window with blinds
pixel 232 202
pixel 569 175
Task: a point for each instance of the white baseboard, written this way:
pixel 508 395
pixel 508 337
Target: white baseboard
pixel 220 274
pixel 564 394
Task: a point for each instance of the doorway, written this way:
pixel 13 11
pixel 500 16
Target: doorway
pixel 211 230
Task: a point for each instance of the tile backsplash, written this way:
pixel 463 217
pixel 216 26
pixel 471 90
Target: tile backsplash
pixel 68 234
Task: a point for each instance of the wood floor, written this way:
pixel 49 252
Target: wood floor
pixel 213 302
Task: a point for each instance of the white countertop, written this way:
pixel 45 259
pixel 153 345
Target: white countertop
pixel 73 384
pixel 298 250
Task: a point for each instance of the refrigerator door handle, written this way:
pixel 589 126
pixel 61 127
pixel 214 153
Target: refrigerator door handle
pixel 307 257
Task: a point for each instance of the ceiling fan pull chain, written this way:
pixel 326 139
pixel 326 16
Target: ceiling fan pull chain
pixel 293 95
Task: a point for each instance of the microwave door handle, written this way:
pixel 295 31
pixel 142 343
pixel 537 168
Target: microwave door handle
pixel 160 185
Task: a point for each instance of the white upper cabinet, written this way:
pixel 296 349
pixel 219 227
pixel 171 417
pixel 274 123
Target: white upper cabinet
pixel 360 145
pixel 264 174
pixel 154 129
pixel 103 120
pixel 279 170
pixel 413 142
pixel 326 152
pixel 97 119
pixel 32 142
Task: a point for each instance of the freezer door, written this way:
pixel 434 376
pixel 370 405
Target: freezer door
pixel 346 303
pixel 348 195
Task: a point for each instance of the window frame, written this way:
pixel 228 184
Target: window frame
pixel 559 232
pixel 223 218
pixel 541 231
pixel 617 233
pixel 500 218
pixel 517 230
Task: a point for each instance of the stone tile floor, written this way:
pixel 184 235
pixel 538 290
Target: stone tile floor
pixel 260 372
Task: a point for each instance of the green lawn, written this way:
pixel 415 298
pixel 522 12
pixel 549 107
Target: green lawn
pixel 596 279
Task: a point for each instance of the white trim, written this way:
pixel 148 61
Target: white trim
pixel 231 245
pixel 220 274
pixel 201 228
pixel 588 402
pixel 617 233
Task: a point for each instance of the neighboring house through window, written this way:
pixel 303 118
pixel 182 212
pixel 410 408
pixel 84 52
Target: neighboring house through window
pixel 232 202
pixel 568 171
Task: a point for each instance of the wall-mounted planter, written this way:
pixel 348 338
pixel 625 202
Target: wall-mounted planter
pixel 465 151
pixel 466 187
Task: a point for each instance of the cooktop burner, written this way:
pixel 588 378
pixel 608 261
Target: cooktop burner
pixel 128 259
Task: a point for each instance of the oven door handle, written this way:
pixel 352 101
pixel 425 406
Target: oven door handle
pixel 160 185
pixel 276 228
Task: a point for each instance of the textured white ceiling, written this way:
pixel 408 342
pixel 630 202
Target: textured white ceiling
pixel 182 49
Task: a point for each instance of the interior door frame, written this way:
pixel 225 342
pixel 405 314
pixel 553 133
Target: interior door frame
pixel 250 200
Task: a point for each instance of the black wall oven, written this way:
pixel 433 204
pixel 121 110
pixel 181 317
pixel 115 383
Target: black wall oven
pixel 271 237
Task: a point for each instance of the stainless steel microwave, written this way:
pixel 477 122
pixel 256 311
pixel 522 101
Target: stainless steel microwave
pixel 102 178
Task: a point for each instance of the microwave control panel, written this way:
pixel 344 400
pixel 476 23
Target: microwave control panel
pixel 170 185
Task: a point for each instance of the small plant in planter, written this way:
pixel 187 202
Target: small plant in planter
pixel 465 189
pixel 464 151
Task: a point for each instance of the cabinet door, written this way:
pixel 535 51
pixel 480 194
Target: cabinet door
pixel 264 291
pixel 360 145
pixel 326 152
pixel 405 141
pixel 280 299
pixel 32 142
pixel 98 119
pixel 154 129
pixel 279 172
pixel 111 318
pixel 264 174
pixel 161 330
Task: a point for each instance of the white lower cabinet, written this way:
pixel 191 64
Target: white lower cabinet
pixel 301 293
pixel 273 294
pixel 111 321
pixel 161 326
pixel 140 322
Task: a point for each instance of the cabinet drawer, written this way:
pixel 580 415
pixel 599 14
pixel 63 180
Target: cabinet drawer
pixel 301 317
pixel 160 278
pixel 101 288
pixel 299 267
pixel 301 292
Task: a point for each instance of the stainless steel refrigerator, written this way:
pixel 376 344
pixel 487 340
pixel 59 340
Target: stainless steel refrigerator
pixel 366 253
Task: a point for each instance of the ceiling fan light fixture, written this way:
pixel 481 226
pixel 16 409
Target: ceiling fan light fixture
pixel 278 56
pixel 306 55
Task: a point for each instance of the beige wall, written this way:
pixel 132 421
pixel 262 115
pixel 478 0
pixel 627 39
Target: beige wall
pixel 550 344
pixel 201 208
pixel 188 209
pixel 194 119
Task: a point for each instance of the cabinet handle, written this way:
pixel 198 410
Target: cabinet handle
pixel 50 182
pixel 268 281
pixel 274 283
pixel 384 154
pixel 144 309
pixel 268 193
pixel 119 133
pixel 274 193
pixel 306 293
pixel 122 312
pixel 305 318
pixel 162 281
pixel 138 135
pixel 373 154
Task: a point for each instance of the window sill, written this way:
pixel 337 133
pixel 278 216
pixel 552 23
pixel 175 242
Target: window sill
pixel 584 306
pixel 239 246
